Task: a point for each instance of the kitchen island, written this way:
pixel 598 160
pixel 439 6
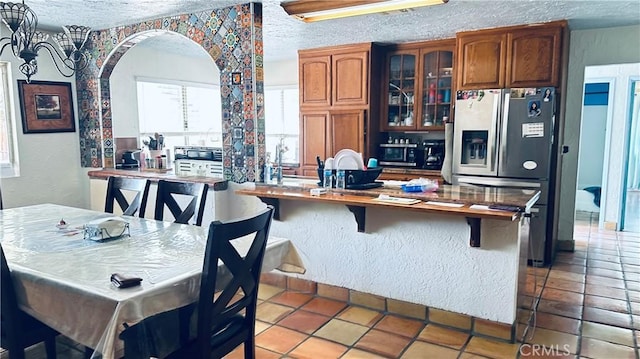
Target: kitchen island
pixel 421 253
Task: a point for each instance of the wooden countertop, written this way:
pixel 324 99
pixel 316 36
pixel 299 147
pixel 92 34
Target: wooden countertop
pixel 466 201
pixel 466 196
pixel 217 184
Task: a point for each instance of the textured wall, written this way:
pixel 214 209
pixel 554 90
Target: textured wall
pixel 587 47
pixel 232 37
pixel 416 257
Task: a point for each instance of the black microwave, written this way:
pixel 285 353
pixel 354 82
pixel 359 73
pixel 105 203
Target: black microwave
pixel 399 154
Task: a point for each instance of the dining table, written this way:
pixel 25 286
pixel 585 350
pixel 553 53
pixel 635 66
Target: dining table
pixel 62 276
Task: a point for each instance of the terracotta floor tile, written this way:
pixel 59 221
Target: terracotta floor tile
pixel 630 268
pixel 492 348
pixel 278 339
pixel 303 321
pixel 630 260
pixel 565 285
pixel 421 350
pixel 324 306
pixel 596 280
pixel 610 249
pixel 608 292
pixel 361 354
pixel 261 326
pixel 604 265
pixel 359 315
pixel 342 332
pixel 635 308
pixel 607 317
pixel 598 349
pixel 292 299
pixel 560 308
pixel 266 291
pixel 615 305
pixel 316 348
pixel 633 285
pixel 634 296
pixel 383 343
pixel 607 333
pixel 554 339
pixel 272 313
pixel 605 257
pixel 562 296
pixel 443 336
pixel 238 353
pixel 573 268
pixel 558 323
pixel 576 277
pixel 400 326
pixel 605 273
pixel 467 355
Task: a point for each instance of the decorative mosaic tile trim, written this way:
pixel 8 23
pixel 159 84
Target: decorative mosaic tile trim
pixel 232 36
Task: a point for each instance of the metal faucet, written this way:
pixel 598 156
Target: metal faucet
pixel 279 152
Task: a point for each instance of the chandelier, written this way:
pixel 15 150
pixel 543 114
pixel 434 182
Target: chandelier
pixel 26 41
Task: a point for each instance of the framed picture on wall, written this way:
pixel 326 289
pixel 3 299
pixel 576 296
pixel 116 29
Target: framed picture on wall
pixel 46 107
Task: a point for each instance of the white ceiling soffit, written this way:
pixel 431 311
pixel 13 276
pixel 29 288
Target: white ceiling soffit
pixel 283 35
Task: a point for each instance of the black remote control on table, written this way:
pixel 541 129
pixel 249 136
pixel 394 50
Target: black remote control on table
pixel 505 207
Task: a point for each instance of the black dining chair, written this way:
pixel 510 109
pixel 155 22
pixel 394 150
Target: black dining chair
pixel 226 309
pixel 221 326
pixel 166 197
pixel 118 187
pixel 18 329
pixel 1 198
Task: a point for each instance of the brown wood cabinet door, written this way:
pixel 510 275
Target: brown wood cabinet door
pixel 346 130
pixel 313 139
pixel 480 61
pixel 350 78
pixel 315 81
pixel 534 57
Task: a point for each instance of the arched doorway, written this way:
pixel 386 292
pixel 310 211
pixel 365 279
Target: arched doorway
pixel 232 37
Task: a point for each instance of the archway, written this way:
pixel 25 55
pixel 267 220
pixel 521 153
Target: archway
pixel 232 36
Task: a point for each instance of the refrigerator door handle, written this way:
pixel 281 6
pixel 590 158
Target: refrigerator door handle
pixel 492 134
pixel 503 132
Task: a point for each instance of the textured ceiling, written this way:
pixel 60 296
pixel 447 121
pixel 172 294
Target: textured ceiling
pixel 283 35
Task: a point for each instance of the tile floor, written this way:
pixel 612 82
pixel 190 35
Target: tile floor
pixel 588 306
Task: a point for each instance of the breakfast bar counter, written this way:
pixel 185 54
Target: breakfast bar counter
pixel 217 184
pixel 447 251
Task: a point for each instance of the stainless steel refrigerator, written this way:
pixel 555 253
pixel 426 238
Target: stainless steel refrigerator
pixel 504 137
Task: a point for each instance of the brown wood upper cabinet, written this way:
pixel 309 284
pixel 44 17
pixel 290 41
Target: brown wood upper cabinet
pixel 518 56
pixel 336 111
pixel 335 78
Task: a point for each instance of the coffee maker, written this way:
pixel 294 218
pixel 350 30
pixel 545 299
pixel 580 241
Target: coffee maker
pixel 433 154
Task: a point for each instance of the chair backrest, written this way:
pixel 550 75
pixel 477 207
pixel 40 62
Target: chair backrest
pixel 115 188
pixel 241 291
pixel 165 197
pixel 1 198
pixel 11 325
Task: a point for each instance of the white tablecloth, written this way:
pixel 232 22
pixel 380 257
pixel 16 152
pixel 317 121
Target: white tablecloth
pixel 63 279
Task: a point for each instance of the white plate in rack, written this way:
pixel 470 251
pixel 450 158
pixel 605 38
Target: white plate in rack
pixel 348 159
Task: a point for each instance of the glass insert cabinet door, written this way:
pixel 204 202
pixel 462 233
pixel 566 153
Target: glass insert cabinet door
pixel 437 92
pixel 401 91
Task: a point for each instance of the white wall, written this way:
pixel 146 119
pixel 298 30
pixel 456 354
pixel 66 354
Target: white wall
pixel 587 47
pixel 148 62
pixel 422 258
pixel 50 169
pixel 592 135
pixel 620 100
pixel 281 73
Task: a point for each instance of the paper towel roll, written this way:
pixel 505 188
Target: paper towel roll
pixel 448 153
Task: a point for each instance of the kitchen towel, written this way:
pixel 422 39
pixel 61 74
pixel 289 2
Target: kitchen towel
pixel 448 149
